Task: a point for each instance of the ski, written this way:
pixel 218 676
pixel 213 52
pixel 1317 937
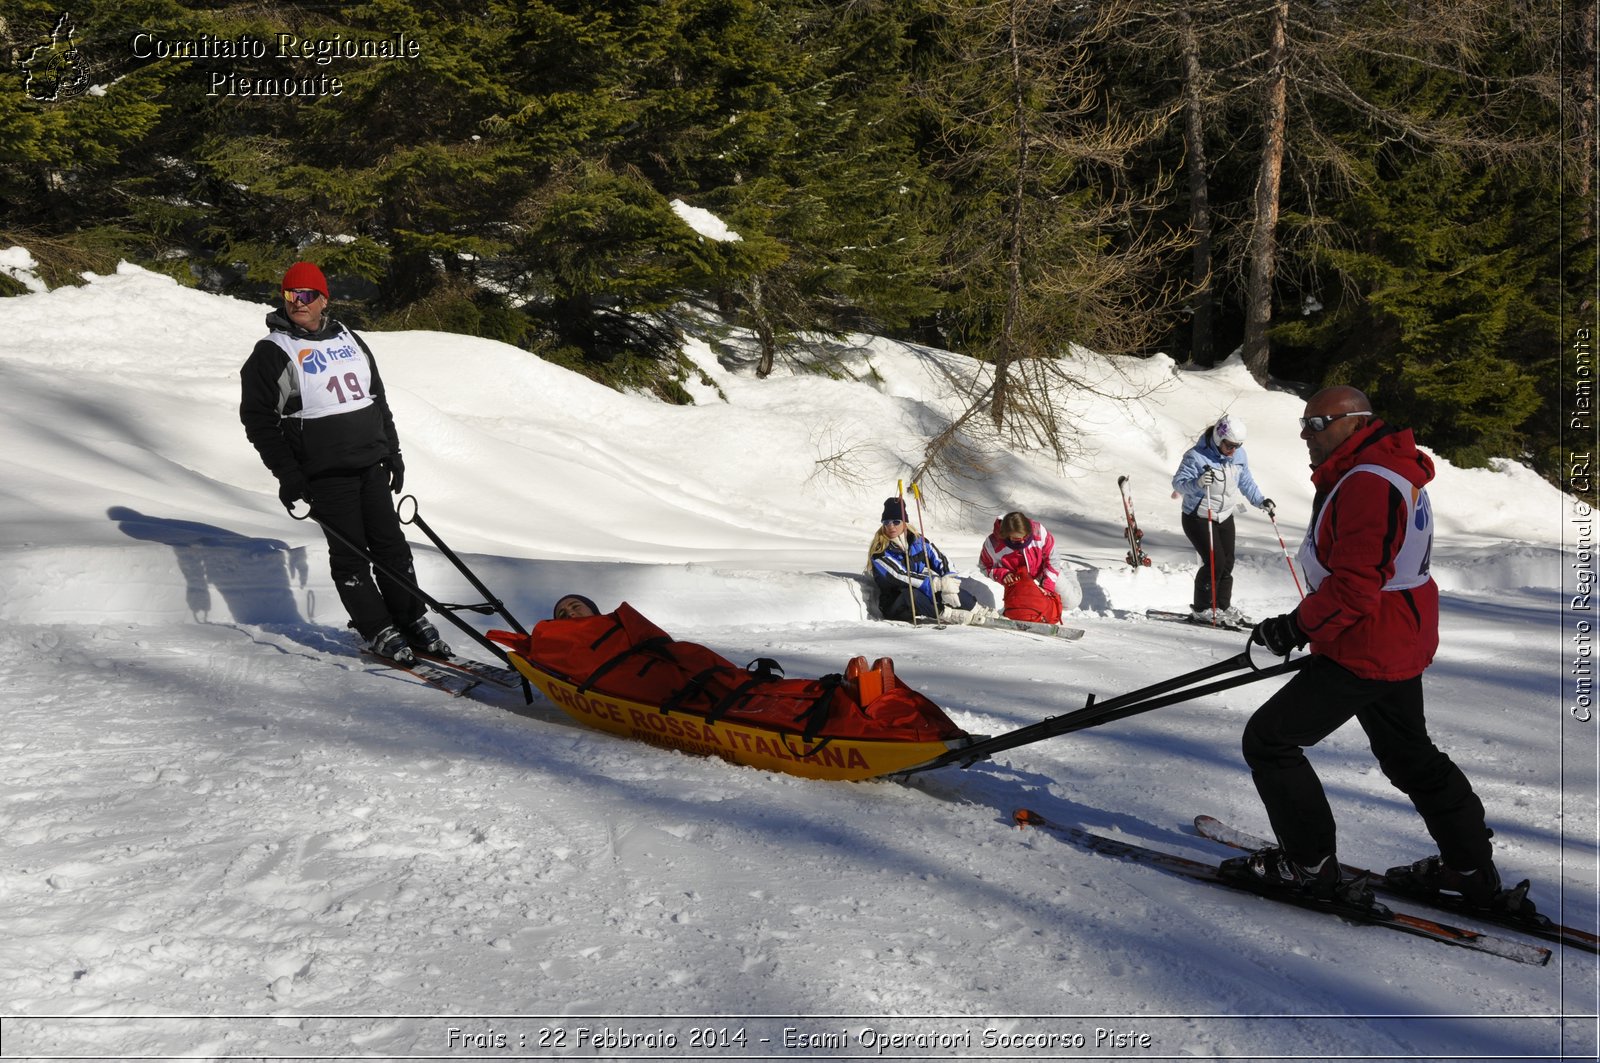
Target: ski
pixel 1133 533
pixel 1540 926
pixel 489 673
pixel 923 624
pixel 994 620
pixel 1377 915
pixel 997 623
pixel 453 683
pixel 1188 618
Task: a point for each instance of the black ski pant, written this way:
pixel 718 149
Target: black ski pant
pixel 356 504
pixel 895 603
pixel 1211 537
pixel 1318 701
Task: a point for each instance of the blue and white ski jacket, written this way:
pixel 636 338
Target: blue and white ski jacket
pixel 890 566
pixel 1223 497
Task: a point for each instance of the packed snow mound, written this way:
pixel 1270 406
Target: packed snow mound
pixel 512 457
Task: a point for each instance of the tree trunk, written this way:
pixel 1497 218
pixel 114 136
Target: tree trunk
pixel 1015 234
pixel 1263 251
pixel 763 326
pixel 1201 342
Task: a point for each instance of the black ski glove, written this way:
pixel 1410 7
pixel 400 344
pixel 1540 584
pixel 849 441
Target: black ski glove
pixel 292 487
pixel 397 472
pixel 1279 634
pixel 1270 506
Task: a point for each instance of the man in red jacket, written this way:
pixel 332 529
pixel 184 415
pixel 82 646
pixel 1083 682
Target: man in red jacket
pixel 1372 620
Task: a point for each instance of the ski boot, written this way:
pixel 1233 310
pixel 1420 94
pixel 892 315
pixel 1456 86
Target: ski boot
pixel 1431 877
pixel 1435 882
pixel 974 616
pixel 424 638
pixel 1271 870
pixel 391 644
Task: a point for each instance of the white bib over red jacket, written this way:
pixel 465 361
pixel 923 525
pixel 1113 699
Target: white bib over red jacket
pixel 1373 606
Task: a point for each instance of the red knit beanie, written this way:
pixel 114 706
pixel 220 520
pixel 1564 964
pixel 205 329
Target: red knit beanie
pixel 305 275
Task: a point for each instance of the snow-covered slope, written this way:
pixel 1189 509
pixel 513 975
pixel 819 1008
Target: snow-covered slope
pixel 224 835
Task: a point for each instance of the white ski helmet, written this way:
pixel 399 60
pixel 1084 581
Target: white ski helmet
pixel 1230 429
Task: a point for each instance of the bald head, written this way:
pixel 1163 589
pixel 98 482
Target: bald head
pixel 1341 398
pixel 1345 409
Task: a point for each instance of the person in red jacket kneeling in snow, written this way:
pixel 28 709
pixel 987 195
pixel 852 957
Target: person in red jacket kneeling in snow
pixel 1020 556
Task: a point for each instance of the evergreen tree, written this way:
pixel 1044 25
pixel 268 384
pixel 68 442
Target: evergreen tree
pixel 1432 308
pixel 836 182
pixel 621 109
pixel 1031 148
pixel 398 179
pixel 1436 272
pixel 75 133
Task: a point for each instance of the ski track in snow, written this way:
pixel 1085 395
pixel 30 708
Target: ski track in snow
pixel 213 807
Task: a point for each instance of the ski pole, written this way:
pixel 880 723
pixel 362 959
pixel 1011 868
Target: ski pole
pixel 1146 699
pixel 1273 517
pixel 916 493
pixel 1211 565
pixel 911 592
pixel 446 611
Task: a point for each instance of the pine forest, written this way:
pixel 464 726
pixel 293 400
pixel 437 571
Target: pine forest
pixel 1396 195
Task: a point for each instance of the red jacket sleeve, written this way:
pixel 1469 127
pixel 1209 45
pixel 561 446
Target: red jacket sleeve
pixel 997 567
pixel 1048 572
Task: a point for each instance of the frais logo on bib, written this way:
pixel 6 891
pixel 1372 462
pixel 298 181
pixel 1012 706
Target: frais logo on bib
pixel 314 360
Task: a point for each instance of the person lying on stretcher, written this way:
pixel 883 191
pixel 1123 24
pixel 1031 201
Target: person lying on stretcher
pixel 573 606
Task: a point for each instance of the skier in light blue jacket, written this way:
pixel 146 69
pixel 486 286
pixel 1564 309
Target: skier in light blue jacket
pixel 1214 482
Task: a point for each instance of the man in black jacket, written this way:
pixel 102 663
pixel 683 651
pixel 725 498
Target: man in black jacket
pixel 313 406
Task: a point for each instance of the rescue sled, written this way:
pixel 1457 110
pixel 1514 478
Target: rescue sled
pixel 622 674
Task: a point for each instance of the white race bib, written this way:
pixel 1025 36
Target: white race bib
pixel 1416 542
pixel 333 375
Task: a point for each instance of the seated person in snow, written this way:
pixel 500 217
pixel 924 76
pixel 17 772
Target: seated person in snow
pixel 908 568
pixel 1020 556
